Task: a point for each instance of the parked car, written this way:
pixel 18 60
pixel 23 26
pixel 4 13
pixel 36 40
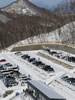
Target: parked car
pixel 47 49
pixel 31 59
pixel 10 81
pixel 2 60
pixel 8 64
pixel 53 52
pixel 71 81
pixel 26 80
pixel 65 77
pixel 16 74
pixel 65 57
pixel 22 76
pixel 48 68
pixel 18 53
pixel 41 65
pixel 26 56
pixel 37 63
pixel 71 59
pixel 1 67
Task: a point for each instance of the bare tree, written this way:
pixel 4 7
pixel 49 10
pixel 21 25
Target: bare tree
pixel 72 31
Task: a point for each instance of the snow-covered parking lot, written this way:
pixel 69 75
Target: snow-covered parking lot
pixel 51 78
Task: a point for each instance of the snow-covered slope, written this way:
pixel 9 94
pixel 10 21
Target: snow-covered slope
pixel 64 34
pixel 4 18
pixel 22 7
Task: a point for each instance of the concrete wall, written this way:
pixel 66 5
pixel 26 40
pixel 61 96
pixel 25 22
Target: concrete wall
pixel 40 46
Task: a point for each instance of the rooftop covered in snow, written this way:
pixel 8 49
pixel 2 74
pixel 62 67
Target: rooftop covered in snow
pixel 44 90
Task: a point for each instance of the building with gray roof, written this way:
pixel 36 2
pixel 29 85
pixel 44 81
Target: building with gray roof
pixel 42 91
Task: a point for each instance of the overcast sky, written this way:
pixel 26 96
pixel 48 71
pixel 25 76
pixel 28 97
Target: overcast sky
pixel 41 3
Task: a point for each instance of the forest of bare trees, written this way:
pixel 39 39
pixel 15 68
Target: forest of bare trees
pixel 23 26
pixel 66 7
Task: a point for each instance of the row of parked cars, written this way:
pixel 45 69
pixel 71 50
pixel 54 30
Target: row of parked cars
pixel 60 55
pixel 10 74
pixel 36 62
pixel 69 80
pixel 7 72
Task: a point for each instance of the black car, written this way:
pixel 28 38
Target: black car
pixel 37 63
pixel 25 56
pixel 8 64
pixel 41 65
pixel 53 52
pixel 48 68
pixel 31 59
pixel 34 62
pixel 65 78
pixel 71 81
pixel 1 67
pixel 17 52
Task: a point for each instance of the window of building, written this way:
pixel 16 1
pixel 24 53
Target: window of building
pixel 41 97
pixel 34 92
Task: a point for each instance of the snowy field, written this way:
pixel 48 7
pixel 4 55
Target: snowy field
pixel 53 79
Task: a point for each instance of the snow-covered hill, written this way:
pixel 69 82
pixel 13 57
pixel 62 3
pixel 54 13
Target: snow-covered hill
pixel 22 7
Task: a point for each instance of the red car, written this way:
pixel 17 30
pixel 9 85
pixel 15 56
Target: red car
pixel 2 60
